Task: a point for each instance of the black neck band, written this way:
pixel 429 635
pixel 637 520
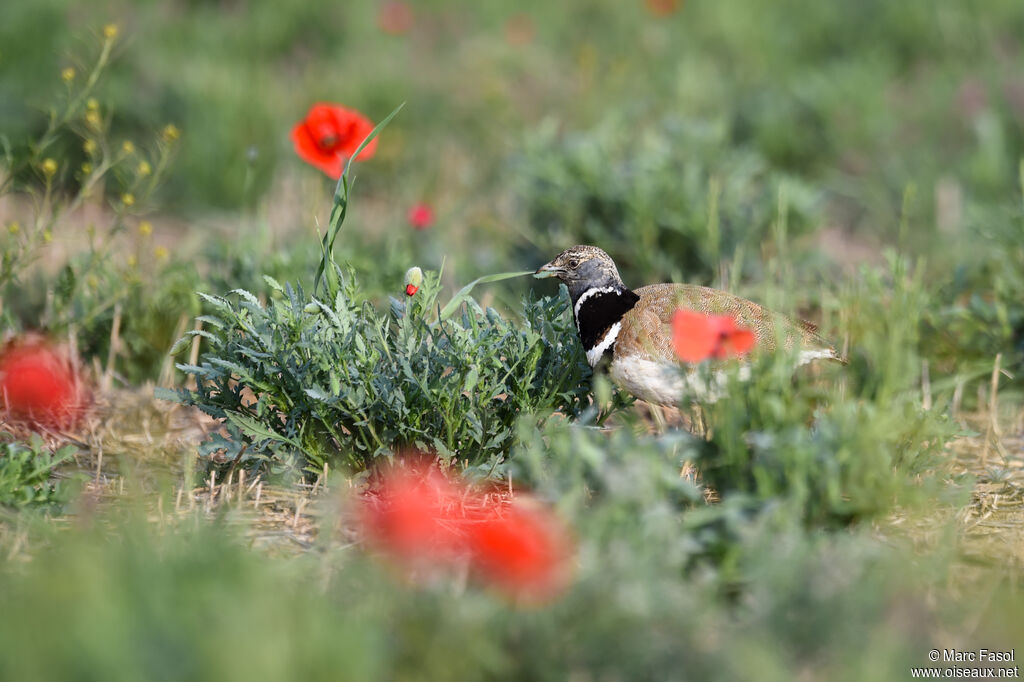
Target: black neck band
pixel 599 311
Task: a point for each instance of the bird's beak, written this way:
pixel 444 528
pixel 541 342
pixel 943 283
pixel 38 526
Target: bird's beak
pixel 548 270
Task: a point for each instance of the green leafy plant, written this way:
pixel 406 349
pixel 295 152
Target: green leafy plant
pixel 328 377
pixel 837 444
pixel 670 200
pixel 982 310
pixel 338 380
pixel 831 461
pixel 26 471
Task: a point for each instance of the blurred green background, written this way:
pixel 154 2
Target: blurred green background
pixel 856 163
pixel 859 99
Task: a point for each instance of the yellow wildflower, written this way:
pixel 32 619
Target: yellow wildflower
pixel 171 132
pixel 49 167
pixel 14 228
pixel 128 199
pixel 144 168
pixel 68 74
pixel 161 253
pixel 86 168
pixel 145 228
pixel 92 117
pixel 89 146
pixel 91 104
pixel 128 147
pixel 110 31
pixel 47 236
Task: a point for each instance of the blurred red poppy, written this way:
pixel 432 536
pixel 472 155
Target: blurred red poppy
pixel 419 516
pixel 412 513
pixel 329 135
pixel 519 30
pixel 663 8
pixel 421 216
pixel 395 17
pixel 411 289
pixel 697 337
pixel 520 550
pixel 39 385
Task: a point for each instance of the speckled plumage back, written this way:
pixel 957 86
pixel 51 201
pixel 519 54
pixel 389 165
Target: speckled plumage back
pixel 647 326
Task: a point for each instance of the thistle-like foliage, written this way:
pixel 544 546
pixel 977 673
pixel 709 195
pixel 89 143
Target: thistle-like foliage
pixel 305 381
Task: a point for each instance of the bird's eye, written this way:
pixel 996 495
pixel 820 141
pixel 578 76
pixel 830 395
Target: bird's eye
pixel 573 264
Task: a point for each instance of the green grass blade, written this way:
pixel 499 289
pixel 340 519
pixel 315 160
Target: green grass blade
pixel 463 294
pixel 371 136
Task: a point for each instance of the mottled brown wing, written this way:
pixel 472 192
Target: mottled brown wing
pixel 645 334
pixel 647 328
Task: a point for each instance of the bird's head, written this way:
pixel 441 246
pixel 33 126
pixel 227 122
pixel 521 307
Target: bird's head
pixel 582 268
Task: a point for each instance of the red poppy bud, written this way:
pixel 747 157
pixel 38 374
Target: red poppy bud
pixel 413 280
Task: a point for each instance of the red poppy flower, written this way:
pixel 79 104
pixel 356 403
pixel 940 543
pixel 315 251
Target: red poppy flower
pixel 663 8
pixel 419 516
pixel 697 337
pixel 519 550
pixel 395 17
pixel 421 216
pixel 38 384
pixel 329 135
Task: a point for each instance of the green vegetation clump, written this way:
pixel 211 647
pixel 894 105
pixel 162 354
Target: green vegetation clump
pixel 27 475
pixel 339 381
pixel 332 376
pixel 671 200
